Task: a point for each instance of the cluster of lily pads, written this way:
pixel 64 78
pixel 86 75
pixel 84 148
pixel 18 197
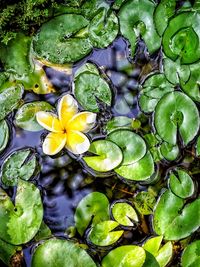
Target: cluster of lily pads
pixel 169 99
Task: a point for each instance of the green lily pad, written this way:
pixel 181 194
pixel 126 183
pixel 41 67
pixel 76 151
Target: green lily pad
pixel 181 184
pixel 118 122
pixel 153 89
pixel 169 151
pixel 181 38
pixel 103 28
pixel 136 18
pixel 150 261
pixel 131 144
pixel 104 234
pixel 63 39
pixel 43 233
pixel 19 165
pixel 138 171
pixel 127 256
pixel 90 86
pixel 9 100
pixel 173 218
pixel 19 223
pixel 107 156
pixel 4 135
pixel 7 251
pixel 124 213
pixel 191 255
pixel 92 208
pixel 198 147
pixel 176 112
pixel 145 202
pixel 61 253
pixel 163 254
pixel 25 117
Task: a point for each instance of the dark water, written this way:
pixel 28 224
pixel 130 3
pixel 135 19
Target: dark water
pixel 63 181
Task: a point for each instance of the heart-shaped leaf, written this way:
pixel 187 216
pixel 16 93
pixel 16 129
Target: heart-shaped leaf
pixel 127 256
pixel 90 86
pixel 191 255
pixel 60 253
pixel 108 156
pixel 131 144
pixel 145 202
pixel 19 165
pixel 93 208
pixel 19 223
pixel 4 135
pixel 104 234
pixel 176 112
pixel 173 219
pixel 25 117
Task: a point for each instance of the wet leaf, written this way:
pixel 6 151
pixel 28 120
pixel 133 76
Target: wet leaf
pixel 181 38
pixel 9 100
pixel 103 28
pixel 93 208
pixel 21 164
pixel 145 202
pixel 118 122
pixel 181 184
pixel 153 89
pixel 63 39
pixel 126 256
pixel 173 218
pixel 191 255
pixel 19 223
pixel 124 213
pixel 25 117
pixel 91 87
pixel 163 254
pixel 4 135
pixel 176 112
pixel 136 18
pixel 61 253
pixel 141 170
pixel 104 233
pixel 131 144
pixel 107 156
pixel 169 152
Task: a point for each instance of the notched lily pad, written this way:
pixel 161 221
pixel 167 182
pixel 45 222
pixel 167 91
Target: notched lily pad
pixel 20 222
pixel 90 86
pixel 21 164
pixel 25 117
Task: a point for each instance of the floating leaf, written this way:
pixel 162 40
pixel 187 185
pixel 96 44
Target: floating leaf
pixel 93 208
pixel 61 253
pixel 43 233
pixel 145 202
pixel 19 165
pixel 108 156
pixel 131 144
pixel 169 152
pixel 162 254
pixel 63 39
pixel 4 135
pixel 181 38
pixel 181 183
pixel 198 147
pixel 191 255
pixel 124 213
pixel 173 219
pixel 136 18
pixel 7 251
pixel 118 122
pixel 176 112
pixel 90 86
pixel 104 233
pixel 103 28
pixel 138 171
pixel 126 256
pixel 19 223
pixel 9 100
pixel 150 261
pixel 26 115
pixel 153 89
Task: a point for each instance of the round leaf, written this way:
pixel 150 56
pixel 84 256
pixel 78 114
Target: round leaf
pixel 4 135
pixel 92 208
pixel 19 165
pixel 176 112
pixel 19 223
pixel 191 255
pixel 61 253
pixel 26 115
pixel 109 156
pixel 169 152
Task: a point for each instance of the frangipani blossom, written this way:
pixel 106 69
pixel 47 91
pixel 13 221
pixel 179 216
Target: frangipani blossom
pixel 67 129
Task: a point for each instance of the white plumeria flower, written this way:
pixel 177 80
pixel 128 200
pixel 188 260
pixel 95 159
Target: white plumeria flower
pixel 68 128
